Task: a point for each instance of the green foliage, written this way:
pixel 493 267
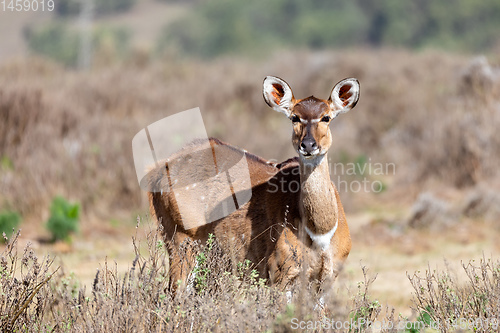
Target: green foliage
pixel 246 271
pixel 8 222
pixel 202 271
pixel 181 1
pixel 450 24
pixel 6 163
pixel 284 319
pixel 330 25
pixel 116 38
pixel 363 314
pixel 220 27
pixel 61 43
pixel 63 219
pixel 67 7
pixel 424 320
pixel 365 310
pixel 101 7
pixel 70 284
pixel 237 27
pixel 466 306
pixel 361 165
pixel 379 186
pixel 205 269
pixel 55 41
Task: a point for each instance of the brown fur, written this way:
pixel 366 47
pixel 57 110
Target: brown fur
pixel 269 230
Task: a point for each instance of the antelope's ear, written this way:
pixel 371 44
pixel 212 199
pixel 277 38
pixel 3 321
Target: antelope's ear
pixel 278 95
pixel 344 96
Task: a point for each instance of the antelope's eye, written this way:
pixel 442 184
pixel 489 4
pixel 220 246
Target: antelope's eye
pixel 325 119
pixel 295 118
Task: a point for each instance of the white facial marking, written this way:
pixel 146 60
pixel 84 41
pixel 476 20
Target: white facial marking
pixel 313 121
pixel 312 154
pixel 315 157
pixel 322 241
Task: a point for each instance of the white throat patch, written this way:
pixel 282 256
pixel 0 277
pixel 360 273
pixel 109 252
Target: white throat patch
pixel 312 161
pixel 322 241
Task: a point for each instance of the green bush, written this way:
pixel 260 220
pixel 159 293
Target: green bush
pixel 115 39
pixel 8 222
pixel 55 41
pixel 67 7
pixel 63 219
pixel 180 1
pixel 61 43
pixel 6 163
pixel 221 27
pixel 101 7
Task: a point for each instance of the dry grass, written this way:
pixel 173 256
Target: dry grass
pixel 24 280
pixel 69 133
pixel 40 297
pixel 472 305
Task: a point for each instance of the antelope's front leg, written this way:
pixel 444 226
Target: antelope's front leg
pixel 286 261
pixel 182 261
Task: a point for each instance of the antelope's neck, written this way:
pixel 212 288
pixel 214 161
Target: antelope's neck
pixel 318 204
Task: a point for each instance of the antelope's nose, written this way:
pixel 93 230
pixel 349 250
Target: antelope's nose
pixel 308 145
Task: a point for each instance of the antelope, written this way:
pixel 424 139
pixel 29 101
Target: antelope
pixel 294 221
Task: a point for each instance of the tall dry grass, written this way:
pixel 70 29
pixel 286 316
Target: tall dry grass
pixel 38 297
pixel 35 296
pixel 453 305
pixel 433 115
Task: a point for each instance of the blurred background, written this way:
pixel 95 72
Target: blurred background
pixel 79 81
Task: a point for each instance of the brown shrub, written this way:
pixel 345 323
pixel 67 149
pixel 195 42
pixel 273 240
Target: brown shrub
pixel 430 212
pixel 38 297
pixel 483 202
pixel 455 306
pixel 69 133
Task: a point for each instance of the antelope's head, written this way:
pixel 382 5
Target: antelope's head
pixel 311 116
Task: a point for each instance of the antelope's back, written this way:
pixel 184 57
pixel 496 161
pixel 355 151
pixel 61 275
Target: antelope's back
pixel 195 185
